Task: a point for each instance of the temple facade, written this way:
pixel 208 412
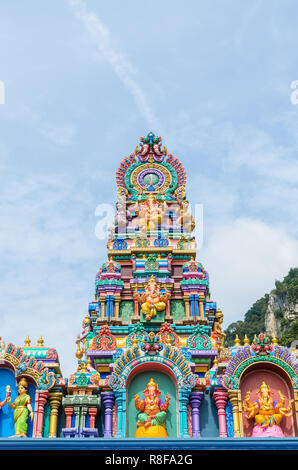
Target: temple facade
pixel 152 359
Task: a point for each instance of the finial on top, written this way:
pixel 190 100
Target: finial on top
pixel 40 342
pixel 27 342
pixel 237 341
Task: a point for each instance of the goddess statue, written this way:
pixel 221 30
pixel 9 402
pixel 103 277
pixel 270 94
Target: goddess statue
pixel 152 301
pixel 266 412
pixel 21 406
pixel 152 417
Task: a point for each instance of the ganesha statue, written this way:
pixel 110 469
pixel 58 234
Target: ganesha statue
pixel 151 213
pixel 152 301
pixel 152 417
pixel 266 412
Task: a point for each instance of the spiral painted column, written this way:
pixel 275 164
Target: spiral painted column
pixel 221 397
pixel 109 401
pixel 195 402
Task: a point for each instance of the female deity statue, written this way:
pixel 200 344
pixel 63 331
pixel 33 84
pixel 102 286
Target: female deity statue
pixel 266 412
pixel 152 417
pixel 21 406
pixel 151 300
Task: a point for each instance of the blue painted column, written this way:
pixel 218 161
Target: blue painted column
pixel 183 401
pixel 121 411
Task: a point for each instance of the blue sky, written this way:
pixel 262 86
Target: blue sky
pixel 83 81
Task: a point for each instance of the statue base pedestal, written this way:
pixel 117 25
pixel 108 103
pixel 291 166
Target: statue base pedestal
pixel 151 431
pixel 272 431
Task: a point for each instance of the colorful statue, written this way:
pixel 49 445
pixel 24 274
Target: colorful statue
pixel 151 300
pixel 21 406
pixel 151 214
pixel 266 412
pixel 152 417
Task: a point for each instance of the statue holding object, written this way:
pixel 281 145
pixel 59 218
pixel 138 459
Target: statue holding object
pixel 22 407
pixel 152 301
pixel 152 417
pixel 266 412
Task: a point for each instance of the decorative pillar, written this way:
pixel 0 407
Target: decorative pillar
pixel 121 410
pixel 92 414
pixel 68 413
pixel 136 305
pixel 183 401
pixel 102 300
pixel 186 301
pixel 108 400
pixel 84 410
pixel 168 309
pixel 221 397
pixel 117 303
pixel 55 401
pixel 233 397
pixel 201 305
pixel 41 397
pixel 195 402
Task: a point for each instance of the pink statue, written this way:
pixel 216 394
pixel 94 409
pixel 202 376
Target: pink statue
pixel 266 412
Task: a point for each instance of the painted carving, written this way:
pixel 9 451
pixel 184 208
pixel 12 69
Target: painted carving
pixel 152 417
pixel 22 407
pixel 152 301
pixel 266 412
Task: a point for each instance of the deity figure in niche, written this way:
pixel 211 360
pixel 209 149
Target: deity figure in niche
pixel 184 219
pixel 152 301
pixel 22 407
pixel 266 412
pixel 152 417
pixel 151 214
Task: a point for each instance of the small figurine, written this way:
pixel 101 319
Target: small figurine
pixel 152 417
pixel 21 406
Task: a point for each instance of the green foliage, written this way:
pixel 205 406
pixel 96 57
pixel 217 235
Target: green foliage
pixel 254 319
pixel 253 324
pixel 290 335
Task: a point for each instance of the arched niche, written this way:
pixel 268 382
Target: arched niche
pixel 136 384
pixel 7 377
pixel 277 379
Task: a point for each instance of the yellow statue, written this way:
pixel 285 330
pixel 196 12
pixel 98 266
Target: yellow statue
pixel 152 417
pixel 22 407
pixel 184 218
pixel 151 214
pixel 217 332
pixel 151 300
pixel 266 412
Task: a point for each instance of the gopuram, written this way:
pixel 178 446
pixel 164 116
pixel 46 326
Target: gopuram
pixel 151 357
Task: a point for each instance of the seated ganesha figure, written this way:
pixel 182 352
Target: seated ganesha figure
pixel 152 301
pixel 152 417
pixel 266 412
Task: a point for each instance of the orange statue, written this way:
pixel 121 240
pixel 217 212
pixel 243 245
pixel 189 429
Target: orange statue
pixel 151 214
pixel 266 411
pixel 152 300
pixel 152 417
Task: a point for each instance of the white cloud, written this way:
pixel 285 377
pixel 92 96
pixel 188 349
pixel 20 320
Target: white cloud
pixel 244 258
pixel 119 63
